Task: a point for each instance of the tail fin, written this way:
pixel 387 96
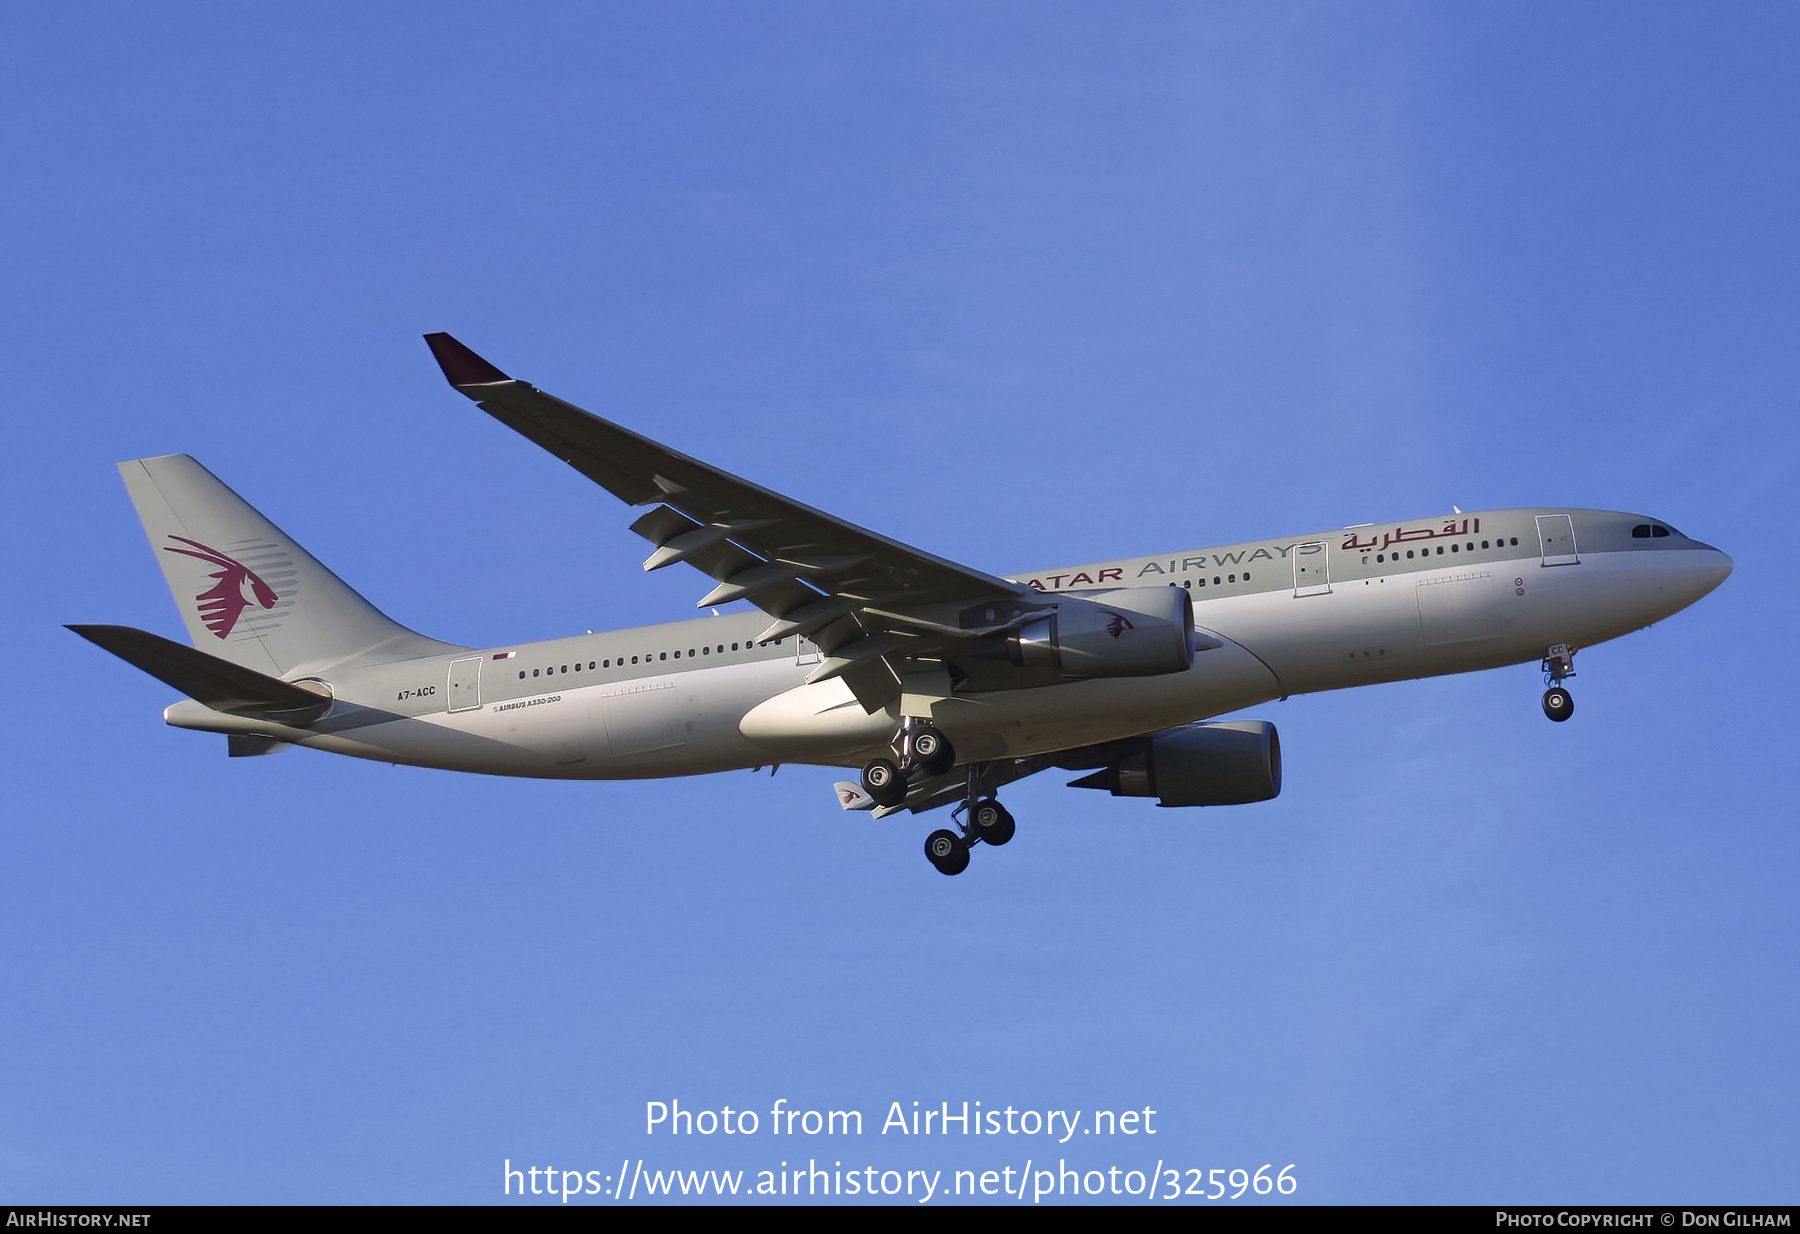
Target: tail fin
pixel 248 592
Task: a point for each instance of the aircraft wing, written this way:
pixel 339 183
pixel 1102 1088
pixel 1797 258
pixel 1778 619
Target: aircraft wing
pixel 859 595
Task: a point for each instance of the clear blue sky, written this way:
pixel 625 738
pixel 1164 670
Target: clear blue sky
pixel 1022 285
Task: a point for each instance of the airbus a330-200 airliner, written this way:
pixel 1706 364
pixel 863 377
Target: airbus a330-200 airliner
pixel 941 682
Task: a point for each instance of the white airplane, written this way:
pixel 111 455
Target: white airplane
pixel 941 682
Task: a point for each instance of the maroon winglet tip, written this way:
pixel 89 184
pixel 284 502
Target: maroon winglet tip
pixel 461 366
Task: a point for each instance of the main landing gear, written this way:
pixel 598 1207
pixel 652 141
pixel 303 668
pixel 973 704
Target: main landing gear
pixel 987 822
pixel 979 819
pixel 1559 664
pixel 924 755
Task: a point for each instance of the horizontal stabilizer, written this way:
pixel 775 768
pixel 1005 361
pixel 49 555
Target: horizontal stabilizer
pixel 216 683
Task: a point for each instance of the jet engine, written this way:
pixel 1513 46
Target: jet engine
pixel 1216 763
pixel 1129 632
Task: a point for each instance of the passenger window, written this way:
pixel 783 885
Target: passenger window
pixel 521 674
pixel 1187 584
pixel 1452 548
pixel 534 672
pixel 634 659
pixel 1409 554
pixel 1215 580
pixel 734 646
pixel 665 655
pixel 677 655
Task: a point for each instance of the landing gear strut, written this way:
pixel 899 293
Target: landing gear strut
pixel 1559 664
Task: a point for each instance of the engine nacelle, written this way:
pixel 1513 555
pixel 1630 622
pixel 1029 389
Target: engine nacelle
pixel 1216 763
pixel 1129 632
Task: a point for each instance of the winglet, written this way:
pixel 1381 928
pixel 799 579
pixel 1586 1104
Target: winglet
pixel 461 366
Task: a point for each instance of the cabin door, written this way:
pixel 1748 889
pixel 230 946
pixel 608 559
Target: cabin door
pixel 465 684
pixel 1556 540
pixel 1312 573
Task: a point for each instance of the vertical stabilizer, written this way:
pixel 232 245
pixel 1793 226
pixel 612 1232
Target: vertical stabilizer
pixel 248 593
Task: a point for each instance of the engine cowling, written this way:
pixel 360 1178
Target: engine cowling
pixel 1214 763
pixel 1129 632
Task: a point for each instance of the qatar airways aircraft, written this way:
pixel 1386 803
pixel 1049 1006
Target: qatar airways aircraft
pixel 940 681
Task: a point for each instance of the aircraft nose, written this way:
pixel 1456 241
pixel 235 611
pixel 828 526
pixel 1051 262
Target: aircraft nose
pixel 1698 573
pixel 1720 567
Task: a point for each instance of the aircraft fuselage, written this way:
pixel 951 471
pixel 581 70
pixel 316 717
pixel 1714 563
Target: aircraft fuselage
pixel 1290 616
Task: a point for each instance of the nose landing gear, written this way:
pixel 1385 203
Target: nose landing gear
pixel 1559 704
pixel 1559 664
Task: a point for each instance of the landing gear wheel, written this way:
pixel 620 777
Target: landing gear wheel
pixel 1559 704
pixel 990 821
pixel 947 851
pixel 933 752
pixel 883 782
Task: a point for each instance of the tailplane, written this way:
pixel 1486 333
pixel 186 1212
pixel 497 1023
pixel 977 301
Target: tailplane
pixel 248 593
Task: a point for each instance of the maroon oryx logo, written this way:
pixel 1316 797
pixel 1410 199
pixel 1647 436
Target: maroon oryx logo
pixel 1119 624
pixel 222 604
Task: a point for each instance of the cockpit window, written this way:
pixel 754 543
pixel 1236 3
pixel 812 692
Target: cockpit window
pixel 1641 532
pixel 1658 530
pixel 1648 531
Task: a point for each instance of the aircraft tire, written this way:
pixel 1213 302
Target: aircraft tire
pixel 935 754
pixel 1559 704
pixel 993 823
pixel 883 782
pixel 947 851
